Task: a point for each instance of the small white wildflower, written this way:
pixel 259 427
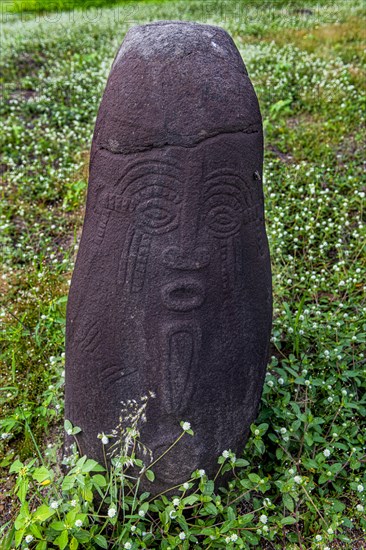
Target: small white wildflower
pixel 291 471
pixel 227 540
pixel 297 479
pixel 326 452
pixel 270 383
pixel 256 432
pixel 360 488
pixel 127 545
pixel 105 442
pixel 201 473
pixel 141 513
pixel 133 528
pixel 226 454
pixel 186 426
pixel 283 430
pixel 186 485
pixel 265 528
pixel 281 381
pixel 267 502
pixel 73 503
pixel 172 514
pixel 112 512
pixel 54 505
pixel 78 523
pixel 318 538
pixel 69 431
pixel 334 434
pixel 330 531
pixel 344 392
pixel 28 539
pixel 263 518
pixel 234 537
pixel 176 501
pixel 182 535
pixel 307 382
pixel 330 399
pixel 5 435
pixel 359 508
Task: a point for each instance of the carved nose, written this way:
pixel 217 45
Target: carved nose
pixel 183 295
pixel 175 258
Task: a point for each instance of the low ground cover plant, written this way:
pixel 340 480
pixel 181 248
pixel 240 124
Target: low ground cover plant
pixel 301 481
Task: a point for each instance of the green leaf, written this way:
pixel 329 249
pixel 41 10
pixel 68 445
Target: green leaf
pixel 16 467
pixel 150 475
pixel 101 541
pixel 68 483
pixel 43 512
pixel 289 520
pixel 62 540
pixel 241 463
pixel 190 500
pixel 211 509
pixel 288 502
pixel 18 537
pixel 42 545
pixel 73 544
pixel 58 525
pixel 41 474
pixel 254 478
pixel 99 480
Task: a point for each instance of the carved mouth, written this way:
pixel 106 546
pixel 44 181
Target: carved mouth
pixel 183 295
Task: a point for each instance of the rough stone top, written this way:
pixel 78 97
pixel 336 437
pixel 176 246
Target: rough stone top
pixel 175 83
pixel 176 39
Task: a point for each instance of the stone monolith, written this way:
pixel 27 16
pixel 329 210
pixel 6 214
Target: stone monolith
pixel 171 292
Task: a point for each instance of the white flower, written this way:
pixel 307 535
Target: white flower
pixel 263 518
pixel 112 512
pixel 330 531
pixel 73 503
pixel 270 383
pixel 5 435
pixel 78 523
pixel 172 514
pixel 360 488
pixel 201 473
pixel 283 430
pixel 234 537
pixel 267 502
pixel 28 539
pixel 226 454
pixel 256 432
pixel 141 513
pixel 133 528
pixel 69 431
pixel 54 505
pixel 186 426
pixel 105 442
pixel 182 535
pixel 330 399
pixel 326 452
pixel 281 381
pixel 176 501
pixel 127 545
pixel 359 508
pixel 297 479
pixel 227 540
pixel 186 485
pixel 291 471
pixel 318 538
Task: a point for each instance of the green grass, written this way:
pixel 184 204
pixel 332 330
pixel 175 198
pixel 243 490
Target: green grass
pixel 307 66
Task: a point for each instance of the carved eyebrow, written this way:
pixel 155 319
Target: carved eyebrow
pixel 142 168
pixel 236 180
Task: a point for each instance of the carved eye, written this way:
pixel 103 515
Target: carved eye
pixel 157 215
pixel 224 215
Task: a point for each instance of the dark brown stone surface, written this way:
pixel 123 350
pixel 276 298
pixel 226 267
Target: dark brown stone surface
pixel 171 292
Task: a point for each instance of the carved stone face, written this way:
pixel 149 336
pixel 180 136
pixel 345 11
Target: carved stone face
pixel 171 293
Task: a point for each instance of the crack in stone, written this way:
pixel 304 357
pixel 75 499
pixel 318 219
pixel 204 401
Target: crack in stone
pixel 253 129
